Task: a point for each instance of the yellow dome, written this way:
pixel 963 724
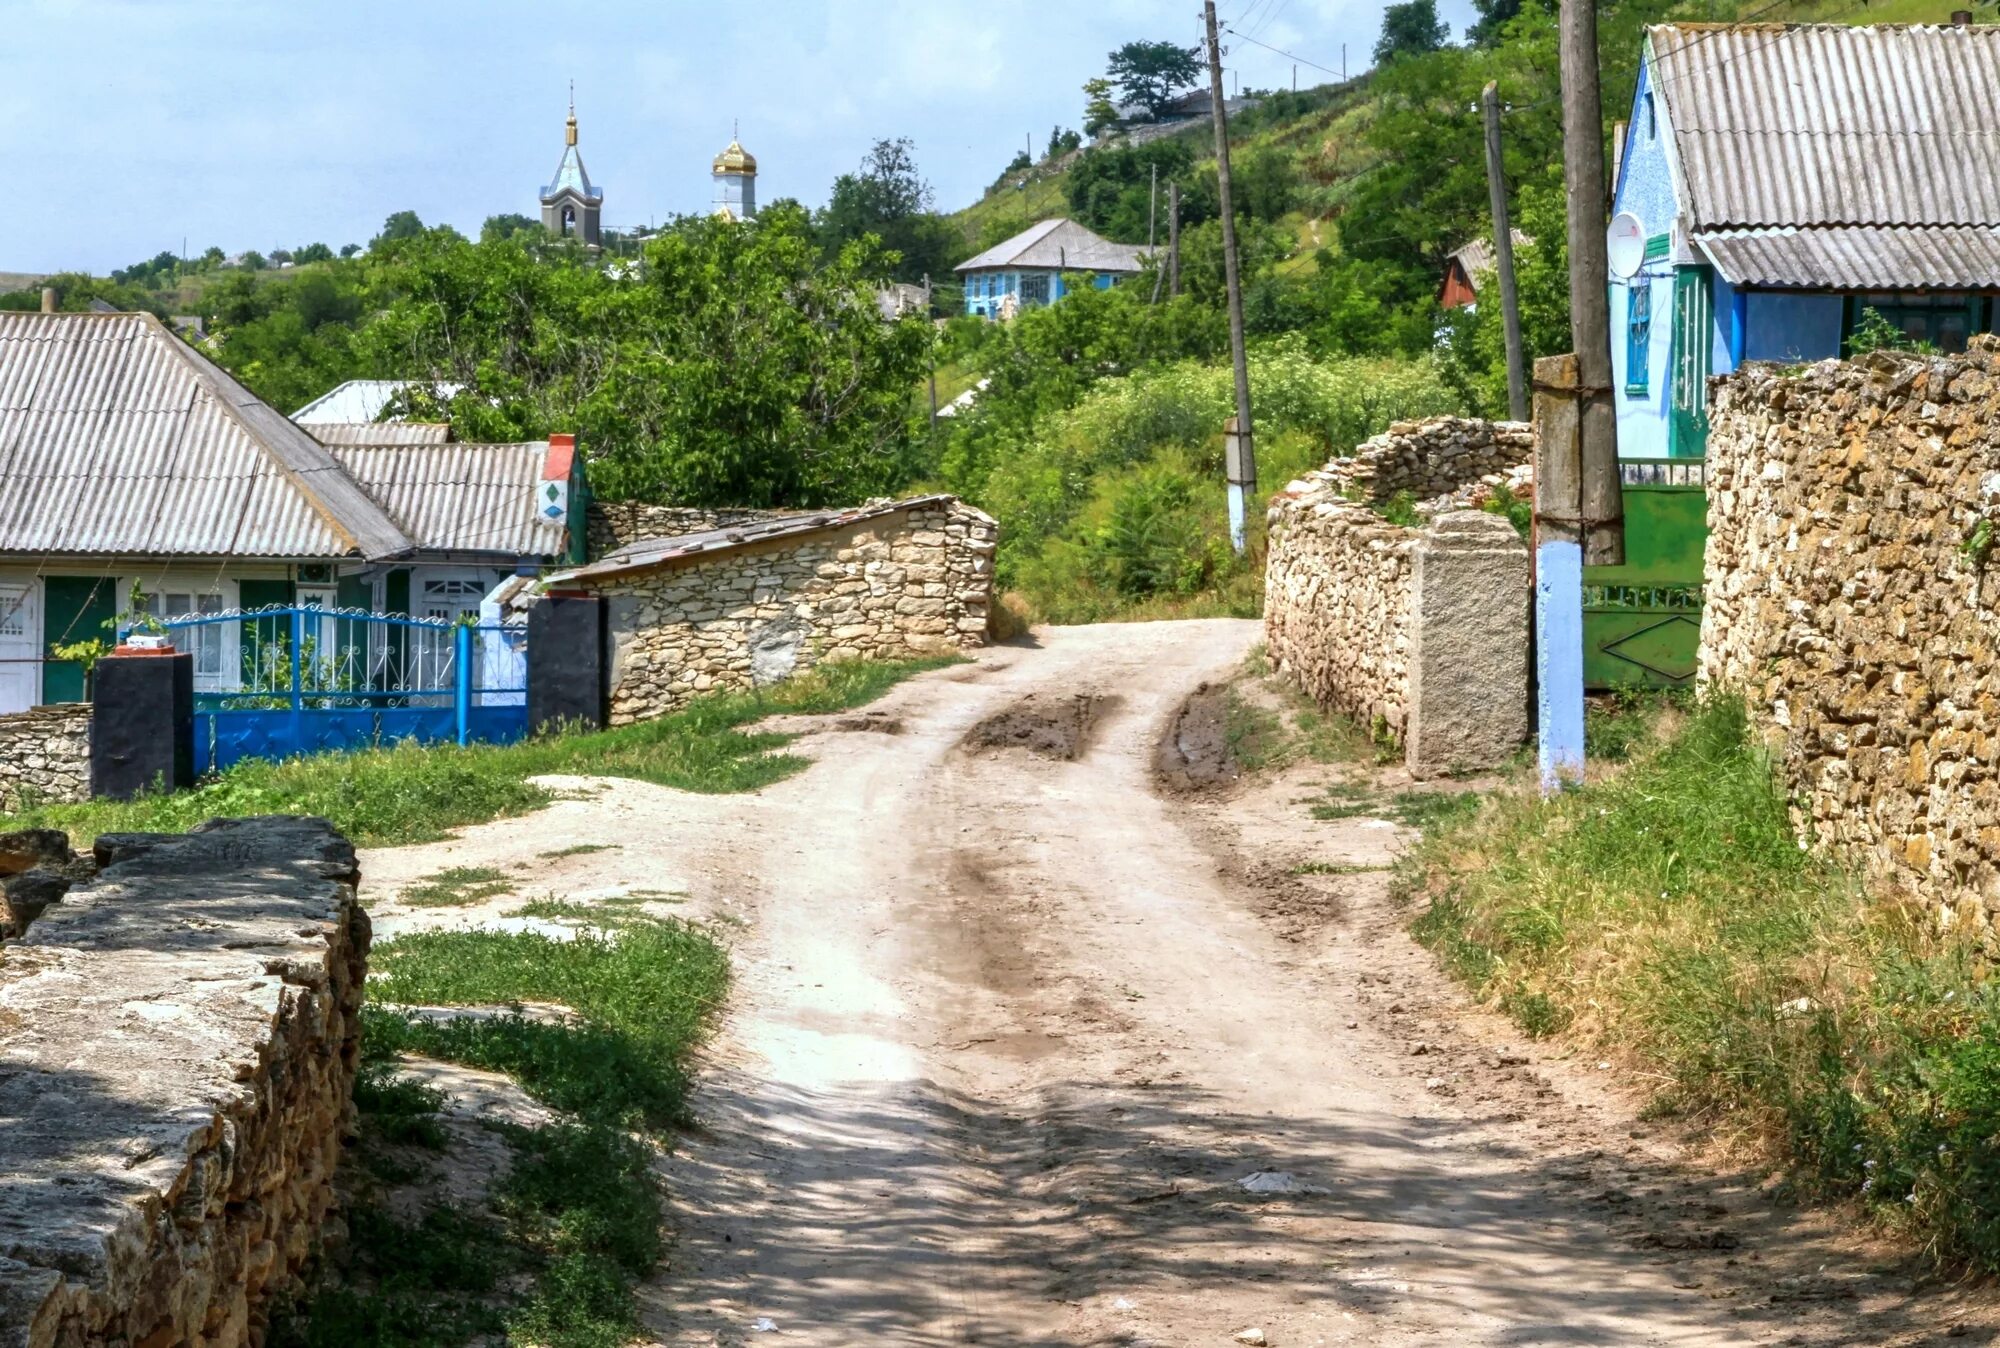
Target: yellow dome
pixel 735 159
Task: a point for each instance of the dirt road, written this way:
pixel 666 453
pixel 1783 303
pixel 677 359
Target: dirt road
pixel 1012 1031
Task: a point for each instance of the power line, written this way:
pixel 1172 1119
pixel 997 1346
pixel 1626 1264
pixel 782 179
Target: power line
pixel 1290 56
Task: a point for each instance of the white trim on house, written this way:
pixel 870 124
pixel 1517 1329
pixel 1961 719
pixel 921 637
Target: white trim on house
pixel 20 644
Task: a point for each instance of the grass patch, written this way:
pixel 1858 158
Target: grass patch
pixel 1335 868
pixel 456 887
pixel 410 793
pixel 577 1216
pixel 1277 725
pixel 1423 810
pixel 1668 914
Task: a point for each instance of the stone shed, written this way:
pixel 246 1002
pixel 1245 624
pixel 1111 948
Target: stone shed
pixel 749 604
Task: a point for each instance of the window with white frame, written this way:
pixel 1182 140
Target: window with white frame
pixel 209 643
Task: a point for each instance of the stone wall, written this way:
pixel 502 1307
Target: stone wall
pixel 178 1042
pixel 1422 633
pixel 1428 459
pixel 614 524
pixel 45 755
pixel 898 585
pixel 1853 597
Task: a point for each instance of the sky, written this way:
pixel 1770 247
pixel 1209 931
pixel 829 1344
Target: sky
pixel 131 126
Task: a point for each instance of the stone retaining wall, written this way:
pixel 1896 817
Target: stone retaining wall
pixel 900 585
pixel 178 1042
pixel 45 755
pixel 1420 633
pixel 1853 596
pixel 1430 458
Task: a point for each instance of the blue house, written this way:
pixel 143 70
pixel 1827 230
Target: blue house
pixel 1775 183
pixel 1039 265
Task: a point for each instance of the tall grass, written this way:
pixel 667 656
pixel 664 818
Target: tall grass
pixel 417 793
pixel 1669 915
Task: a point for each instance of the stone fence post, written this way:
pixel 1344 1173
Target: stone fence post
pixel 1469 645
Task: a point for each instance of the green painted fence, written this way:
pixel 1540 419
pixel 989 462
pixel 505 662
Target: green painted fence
pixel 1642 620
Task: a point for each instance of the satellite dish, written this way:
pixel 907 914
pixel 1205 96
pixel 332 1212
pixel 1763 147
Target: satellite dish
pixel 1625 243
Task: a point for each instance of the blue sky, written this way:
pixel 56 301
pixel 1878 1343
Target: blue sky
pixel 131 124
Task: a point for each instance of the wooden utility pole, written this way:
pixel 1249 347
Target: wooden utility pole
pixel 1153 212
pixel 1174 239
pixel 933 328
pixel 1603 511
pixel 1242 431
pixel 1503 255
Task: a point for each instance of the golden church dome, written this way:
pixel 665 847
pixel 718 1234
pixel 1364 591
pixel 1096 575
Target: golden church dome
pixel 735 159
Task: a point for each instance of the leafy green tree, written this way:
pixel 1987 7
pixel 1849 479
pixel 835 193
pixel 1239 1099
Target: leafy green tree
pixel 349 249
pixel 508 226
pixel 888 199
pixel 254 261
pixel 1110 188
pixel 1099 111
pixel 313 252
pixel 1410 29
pixel 1486 30
pixel 398 227
pixel 1019 162
pixel 211 258
pixel 1151 74
pixel 1061 142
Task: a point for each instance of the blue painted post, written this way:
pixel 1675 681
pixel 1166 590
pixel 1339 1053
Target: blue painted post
pixel 462 681
pixel 298 654
pixel 1559 660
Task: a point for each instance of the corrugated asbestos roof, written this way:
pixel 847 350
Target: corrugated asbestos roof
pixel 1059 244
pixel 1824 124
pixel 379 432
pixel 649 554
pixel 459 497
pixel 117 437
pixel 1478 255
pixel 362 400
pixel 1857 257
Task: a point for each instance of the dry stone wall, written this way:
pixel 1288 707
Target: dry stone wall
pixel 1422 633
pixel 45 756
pixel 900 585
pixel 178 1042
pixel 1853 596
pixel 1432 458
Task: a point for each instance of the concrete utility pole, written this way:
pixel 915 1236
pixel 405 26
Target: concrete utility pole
pixel 1174 239
pixel 1503 253
pixel 1241 436
pixel 1153 211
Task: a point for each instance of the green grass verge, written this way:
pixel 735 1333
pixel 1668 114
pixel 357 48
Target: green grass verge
pixel 1668 914
pixel 576 1221
pixel 455 887
pixel 410 793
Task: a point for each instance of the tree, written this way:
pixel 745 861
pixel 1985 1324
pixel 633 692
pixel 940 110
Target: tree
pixel 1061 142
pixel 1019 162
pixel 349 249
pixel 402 225
pixel 1152 73
pixel 212 257
pixel 313 252
pixel 888 198
pixel 1493 16
pixel 254 261
pixel 1099 111
pixel 281 256
pixel 507 226
pixel 1410 29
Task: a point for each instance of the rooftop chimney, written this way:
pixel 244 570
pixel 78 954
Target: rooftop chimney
pixel 48 299
pixel 1961 18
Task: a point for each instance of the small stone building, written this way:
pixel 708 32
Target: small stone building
pixel 750 604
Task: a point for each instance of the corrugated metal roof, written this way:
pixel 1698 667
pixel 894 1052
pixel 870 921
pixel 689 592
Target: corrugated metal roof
pixel 1478 255
pixel 117 437
pixel 1857 257
pixel 380 432
pixel 649 554
pixel 1059 243
pixel 365 399
pixel 1825 124
pixel 460 497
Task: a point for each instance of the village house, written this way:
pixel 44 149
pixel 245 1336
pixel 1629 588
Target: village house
pixel 1038 266
pixel 1469 269
pixel 1777 183
pixel 138 469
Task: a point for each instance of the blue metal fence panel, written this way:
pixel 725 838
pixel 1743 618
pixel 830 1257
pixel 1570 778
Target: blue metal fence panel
pixel 280 683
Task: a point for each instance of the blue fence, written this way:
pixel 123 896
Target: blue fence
pixel 278 682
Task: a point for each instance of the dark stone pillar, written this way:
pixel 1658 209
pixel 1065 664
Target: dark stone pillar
pixel 142 725
pixel 569 663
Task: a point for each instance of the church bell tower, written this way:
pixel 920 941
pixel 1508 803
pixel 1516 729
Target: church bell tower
pixel 736 182
pixel 571 204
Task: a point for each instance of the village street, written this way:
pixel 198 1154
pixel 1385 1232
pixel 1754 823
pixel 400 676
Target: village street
pixel 1010 1032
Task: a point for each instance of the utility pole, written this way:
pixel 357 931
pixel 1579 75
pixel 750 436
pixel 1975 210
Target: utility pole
pixel 1603 515
pixel 1503 253
pixel 1244 474
pixel 1174 239
pixel 1578 512
pixel 933 328
pixel 1153 211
